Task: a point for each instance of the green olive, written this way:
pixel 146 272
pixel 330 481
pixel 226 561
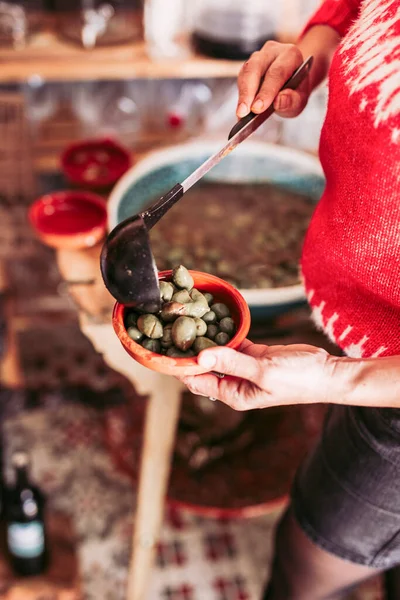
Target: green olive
pixel 221 310
pixel 182 297
pixel 134 333
pixel 202 343
pixel 131 319
pixel 222 338
pixel 195 309
pixel 201 327
pixel 152 345
pixel 182 278
pixel 184 333
pixel 227 325
pixel 209 297
pixel 212 331
pixel 209 317
pixel 166 291
pixel 197 296
pixel 176 353
pixel 150 326
pixel 166 340
pixel 172 310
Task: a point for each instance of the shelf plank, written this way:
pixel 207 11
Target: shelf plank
pixel 54 59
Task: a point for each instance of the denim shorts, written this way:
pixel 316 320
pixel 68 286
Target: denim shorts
pixel 346 495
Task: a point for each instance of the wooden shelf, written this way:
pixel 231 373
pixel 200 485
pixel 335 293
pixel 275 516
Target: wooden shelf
pixel 54 59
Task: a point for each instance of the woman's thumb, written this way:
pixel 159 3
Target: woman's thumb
pixel 290 103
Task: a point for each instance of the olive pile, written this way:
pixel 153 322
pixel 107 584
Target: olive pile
pixel 188 323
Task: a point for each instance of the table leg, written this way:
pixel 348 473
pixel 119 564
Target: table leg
pixel 11 375
pixel 159 435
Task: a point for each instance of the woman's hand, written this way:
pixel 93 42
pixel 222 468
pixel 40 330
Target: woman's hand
pixel 275 63
pixel 260 376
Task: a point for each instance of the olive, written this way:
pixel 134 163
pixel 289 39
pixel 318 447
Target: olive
pixel 209 317
pixel 134 333
pixel 182 296
pixel 209 297
pixel 198 307
pixel 172 310
pixel 150 326
pixel 152 345
pixel 201 327
pixel 184 333
pixel 202 343
pixel 131 319
pixel 182 278
pixel 166 291
pixel 166 340
pixel 197 296
pixel 176 353
pixel 227 325
pixel 212 330
pixel 221 310
pixel 222 338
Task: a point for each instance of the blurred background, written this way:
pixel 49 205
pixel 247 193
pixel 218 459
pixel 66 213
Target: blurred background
pixel 88 91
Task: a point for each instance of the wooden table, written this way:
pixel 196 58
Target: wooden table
pixel 164 398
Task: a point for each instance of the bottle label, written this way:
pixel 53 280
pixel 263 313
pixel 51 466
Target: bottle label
pixel 26 540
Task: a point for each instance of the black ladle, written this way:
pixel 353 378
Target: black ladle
pixel 127 263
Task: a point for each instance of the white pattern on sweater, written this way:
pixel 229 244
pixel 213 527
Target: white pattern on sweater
pixel 373 39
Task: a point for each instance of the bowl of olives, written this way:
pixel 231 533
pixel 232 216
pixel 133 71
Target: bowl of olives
pixel 198 311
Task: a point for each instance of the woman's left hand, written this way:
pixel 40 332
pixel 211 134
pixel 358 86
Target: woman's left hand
pixel 260 376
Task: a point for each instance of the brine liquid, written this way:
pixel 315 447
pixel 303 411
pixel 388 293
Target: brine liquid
pixel 249 235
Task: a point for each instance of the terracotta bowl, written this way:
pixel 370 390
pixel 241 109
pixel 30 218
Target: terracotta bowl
pixel 69 219
pixel 222 292
pixel 95 164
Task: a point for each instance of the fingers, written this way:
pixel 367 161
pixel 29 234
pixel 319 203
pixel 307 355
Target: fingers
pixel 250 77
pixel 236 393
pixel 230 362
pixel 276 76
pixel 246 345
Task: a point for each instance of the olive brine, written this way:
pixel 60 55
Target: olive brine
pixel 189 322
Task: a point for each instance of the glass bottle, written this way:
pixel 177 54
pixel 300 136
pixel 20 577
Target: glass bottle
pixel 25 525
pixel 92 23
pixel 166 29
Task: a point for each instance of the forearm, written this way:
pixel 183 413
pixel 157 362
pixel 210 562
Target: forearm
pixel 321 42
pixel 371 382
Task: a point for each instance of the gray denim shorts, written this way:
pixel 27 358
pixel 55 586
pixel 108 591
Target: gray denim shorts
pixel 346 496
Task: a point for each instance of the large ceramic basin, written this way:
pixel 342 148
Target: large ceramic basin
pixel 250 162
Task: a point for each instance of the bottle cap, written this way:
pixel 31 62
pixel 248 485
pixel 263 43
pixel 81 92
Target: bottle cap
pixel 20 459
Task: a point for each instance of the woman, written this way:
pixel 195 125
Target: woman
pixel 343 524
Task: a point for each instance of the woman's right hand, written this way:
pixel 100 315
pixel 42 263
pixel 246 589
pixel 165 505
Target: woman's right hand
pixel 270 68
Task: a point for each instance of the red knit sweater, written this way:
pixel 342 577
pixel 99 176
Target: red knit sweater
pixel 351 255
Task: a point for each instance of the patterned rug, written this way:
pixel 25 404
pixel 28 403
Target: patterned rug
pixel 197 558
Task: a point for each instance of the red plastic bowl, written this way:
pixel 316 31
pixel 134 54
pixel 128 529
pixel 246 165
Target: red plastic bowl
pixel 95 164
pixel 69 219
pixel 222 292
